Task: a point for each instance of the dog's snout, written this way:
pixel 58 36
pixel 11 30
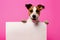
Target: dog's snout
pixel 34 16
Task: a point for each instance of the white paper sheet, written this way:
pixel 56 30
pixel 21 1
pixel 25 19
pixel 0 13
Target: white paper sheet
pixel 20 31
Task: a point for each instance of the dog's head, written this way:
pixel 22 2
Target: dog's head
pixel 34 12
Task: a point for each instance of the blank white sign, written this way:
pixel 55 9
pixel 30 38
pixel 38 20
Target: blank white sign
pixel 26 31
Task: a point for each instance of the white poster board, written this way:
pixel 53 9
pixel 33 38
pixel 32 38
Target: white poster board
pixel 20 31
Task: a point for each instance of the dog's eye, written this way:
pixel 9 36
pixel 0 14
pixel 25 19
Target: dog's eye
pixel 37 11
pixel 31 11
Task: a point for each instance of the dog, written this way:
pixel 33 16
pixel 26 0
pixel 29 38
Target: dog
pixel 34 13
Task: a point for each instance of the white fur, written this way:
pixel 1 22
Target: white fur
pixel 26 31
pixel 34 13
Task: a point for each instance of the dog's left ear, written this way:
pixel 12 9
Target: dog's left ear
pixel 40 6
pixel 28 5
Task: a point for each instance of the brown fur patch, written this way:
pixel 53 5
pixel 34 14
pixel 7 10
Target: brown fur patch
pixel 40 7
pixel 38 10
pixel 30 10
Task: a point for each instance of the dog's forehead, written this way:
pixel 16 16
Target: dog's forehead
pixel 34 8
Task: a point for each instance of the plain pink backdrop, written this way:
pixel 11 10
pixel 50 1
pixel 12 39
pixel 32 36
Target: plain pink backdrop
pixel 15 10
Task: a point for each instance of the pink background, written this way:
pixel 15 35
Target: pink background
pixel 15 10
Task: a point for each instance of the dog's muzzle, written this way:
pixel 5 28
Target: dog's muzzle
pixel 33 17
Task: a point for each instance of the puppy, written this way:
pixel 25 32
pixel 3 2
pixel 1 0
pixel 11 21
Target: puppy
pixel 34 13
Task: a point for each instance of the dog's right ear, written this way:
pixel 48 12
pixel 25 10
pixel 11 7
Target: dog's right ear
pixel 28 5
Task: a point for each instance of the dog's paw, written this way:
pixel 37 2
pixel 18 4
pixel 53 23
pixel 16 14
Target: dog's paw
pixel 23 21
pixel 46 22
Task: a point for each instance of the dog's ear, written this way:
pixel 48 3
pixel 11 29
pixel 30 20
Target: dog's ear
pixel 40 6
pixel 28 5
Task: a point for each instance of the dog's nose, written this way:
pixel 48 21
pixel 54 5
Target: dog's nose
pixel 34 16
